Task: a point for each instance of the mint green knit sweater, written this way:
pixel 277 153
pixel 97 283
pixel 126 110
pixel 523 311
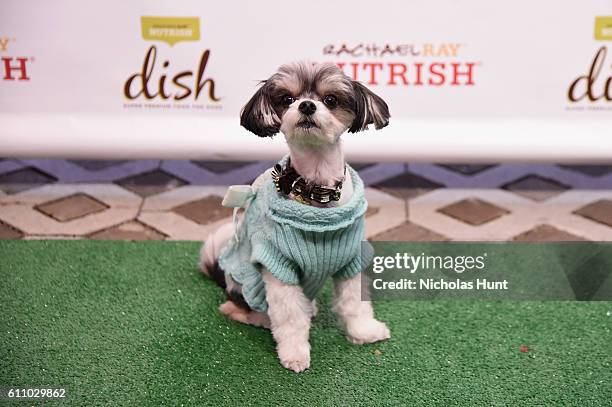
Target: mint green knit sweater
pixel 297 243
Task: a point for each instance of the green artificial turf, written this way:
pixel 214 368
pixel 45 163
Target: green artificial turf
pixel 129 323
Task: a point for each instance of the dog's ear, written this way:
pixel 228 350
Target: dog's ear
pixel 368 108
pixel 258 115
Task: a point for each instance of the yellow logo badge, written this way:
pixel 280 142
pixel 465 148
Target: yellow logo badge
pixel 603 28
pixel 170 30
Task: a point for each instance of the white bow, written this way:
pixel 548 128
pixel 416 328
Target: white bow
pixel 237 197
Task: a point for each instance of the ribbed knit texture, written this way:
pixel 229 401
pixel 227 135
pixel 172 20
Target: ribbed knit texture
pixel 297 243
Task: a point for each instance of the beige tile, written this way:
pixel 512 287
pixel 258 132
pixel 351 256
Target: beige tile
pixel 33 222
pixel 9 232
pixel 151 183
pixel 600 211
pixel 523 214
pixel 536 187
pixel 547 233
pixel 204 211
pixel 132 230
pixel 371 211
pixel 176 227
pixel 473 211
pixel 20 209
pixel 384 212
pixel 168 200
pixel 406 185
pixel 409 232
pixel 71 207
pixel 111 194
pixel 158 212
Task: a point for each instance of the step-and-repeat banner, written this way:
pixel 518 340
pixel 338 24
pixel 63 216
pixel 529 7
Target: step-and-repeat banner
pixel 89 74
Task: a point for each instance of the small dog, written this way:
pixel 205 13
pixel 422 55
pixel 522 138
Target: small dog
pixel 305 220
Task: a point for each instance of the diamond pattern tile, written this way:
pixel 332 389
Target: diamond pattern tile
pixel 151 183
pixel 71 207
pixel 204 211
pixel 470 193
pixel 132 230
pixel 467 169
pixel 547 233
pixel 407 185
pixel 600 211
pixel 536 187
pixel 409 232
pixel 473 211
pixel 221 167
pixel 97 165
pixel 23 179
pixel 590 170
pixel 9 232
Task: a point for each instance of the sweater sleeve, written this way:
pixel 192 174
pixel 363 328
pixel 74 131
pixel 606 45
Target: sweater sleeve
pixel 275 262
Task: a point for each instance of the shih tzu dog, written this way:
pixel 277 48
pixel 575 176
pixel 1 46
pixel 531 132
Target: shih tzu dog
pixel 304 218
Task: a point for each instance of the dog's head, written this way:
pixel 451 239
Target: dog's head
pixel 312 104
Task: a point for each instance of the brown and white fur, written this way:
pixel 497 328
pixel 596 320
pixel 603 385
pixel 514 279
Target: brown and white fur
pixel 312 105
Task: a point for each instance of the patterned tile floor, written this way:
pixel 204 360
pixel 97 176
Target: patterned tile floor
pixel 180 200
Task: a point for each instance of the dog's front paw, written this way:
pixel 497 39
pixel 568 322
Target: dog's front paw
pixel 366 331
pixel 294 357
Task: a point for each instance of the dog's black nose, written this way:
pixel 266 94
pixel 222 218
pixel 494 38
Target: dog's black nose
pixel 307 107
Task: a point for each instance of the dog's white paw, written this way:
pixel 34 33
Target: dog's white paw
pixel 296 358
pixel 360 332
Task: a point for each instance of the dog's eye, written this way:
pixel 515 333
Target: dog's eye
pixel 287 100
pixel 330 101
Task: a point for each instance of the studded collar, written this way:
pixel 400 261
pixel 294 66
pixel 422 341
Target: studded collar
pixel 288 181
